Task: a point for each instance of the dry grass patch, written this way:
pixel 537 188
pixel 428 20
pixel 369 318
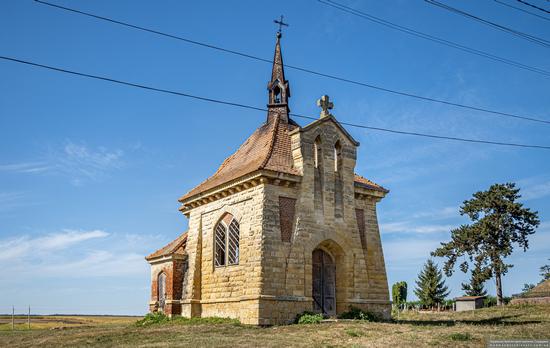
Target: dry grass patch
pixel 464 329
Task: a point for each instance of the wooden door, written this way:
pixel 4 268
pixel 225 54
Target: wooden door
pixel 323 283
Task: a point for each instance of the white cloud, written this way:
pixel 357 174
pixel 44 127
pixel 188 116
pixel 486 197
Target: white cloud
pixel 78 162
pixel 10 200
pixel 23 246
pixel 408 252
pixel 535 190
pixel 81 163
pixel 25 167
pixel 407 227
pixel 436 214
pixel 99 264
pixel 66 254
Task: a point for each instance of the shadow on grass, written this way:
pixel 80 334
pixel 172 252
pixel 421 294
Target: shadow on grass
pixel 501 320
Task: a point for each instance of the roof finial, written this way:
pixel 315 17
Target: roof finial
pixel 281 24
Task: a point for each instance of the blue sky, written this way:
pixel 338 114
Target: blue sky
pixel 90 172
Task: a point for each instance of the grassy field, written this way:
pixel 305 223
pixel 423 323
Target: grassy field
pixel 465 329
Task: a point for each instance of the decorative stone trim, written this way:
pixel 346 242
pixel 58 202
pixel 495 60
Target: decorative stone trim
pixel 166 258
pixel 363 193
pixel 238 185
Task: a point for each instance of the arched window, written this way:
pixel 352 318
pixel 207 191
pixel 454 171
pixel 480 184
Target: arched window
pixel 317 152
pixel 227 234
pixel 276 89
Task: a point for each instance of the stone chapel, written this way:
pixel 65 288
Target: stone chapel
pixel 283 226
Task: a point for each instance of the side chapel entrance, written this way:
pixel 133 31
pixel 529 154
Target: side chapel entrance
pixel 324 283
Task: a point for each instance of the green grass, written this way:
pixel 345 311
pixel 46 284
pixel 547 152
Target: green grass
pixel 462 329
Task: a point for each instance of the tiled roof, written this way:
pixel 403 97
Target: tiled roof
pixel 177 246
pixel 362 181
pixel 267 148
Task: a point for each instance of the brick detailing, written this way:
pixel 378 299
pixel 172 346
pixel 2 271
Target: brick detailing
pixel 287 211
pixel 360 214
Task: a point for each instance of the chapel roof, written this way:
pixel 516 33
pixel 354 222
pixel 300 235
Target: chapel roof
pixel 268 148
pixel 177 246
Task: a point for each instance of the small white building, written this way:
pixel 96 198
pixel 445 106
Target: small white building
pixel 469 303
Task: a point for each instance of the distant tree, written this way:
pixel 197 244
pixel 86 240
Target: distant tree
pixel 477 280
pixel 527 287
pixel 498 222
pixel 399 293
pixel 545 272
pixel 430 286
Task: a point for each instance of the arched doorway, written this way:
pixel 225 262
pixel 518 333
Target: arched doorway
pixel 161 288
pixel 323 283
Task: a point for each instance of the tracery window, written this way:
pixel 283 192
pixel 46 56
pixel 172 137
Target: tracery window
pixel 227 234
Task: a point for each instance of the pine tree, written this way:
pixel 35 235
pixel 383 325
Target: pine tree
pixel 430 286
pixel 475 287
pixel 499 222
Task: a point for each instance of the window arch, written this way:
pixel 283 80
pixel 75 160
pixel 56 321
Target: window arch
pixel 227 236
pixel 317 152
pixel 337 157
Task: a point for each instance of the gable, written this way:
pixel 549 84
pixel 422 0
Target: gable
pixel 329 119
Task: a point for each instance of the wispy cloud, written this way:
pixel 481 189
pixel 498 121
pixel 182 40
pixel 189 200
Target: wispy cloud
pixel 408 252
pixel 73 254
pixel 408 227
pixel 99 264
pixel 10 200
pixel 25 167
pixel 534 188
pixel 23 246
pixel 437 214
pixel 76 161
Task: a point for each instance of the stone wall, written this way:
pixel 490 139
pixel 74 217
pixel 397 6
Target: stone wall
pixel 226 290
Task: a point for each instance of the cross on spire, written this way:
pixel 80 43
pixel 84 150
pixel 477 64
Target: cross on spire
pixel 325 104
pixel 281 24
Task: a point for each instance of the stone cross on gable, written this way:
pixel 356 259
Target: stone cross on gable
pixel 325 104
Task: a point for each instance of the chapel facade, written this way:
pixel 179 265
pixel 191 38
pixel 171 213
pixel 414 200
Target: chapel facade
pixel 282 227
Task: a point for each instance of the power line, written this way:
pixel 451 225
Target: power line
pixel 520 34
pixel 309 71
pixel 429 37
pixel 245 106
pixel 533 6
pixel 522 10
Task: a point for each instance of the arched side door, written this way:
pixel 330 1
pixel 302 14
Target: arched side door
pixel 323 283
